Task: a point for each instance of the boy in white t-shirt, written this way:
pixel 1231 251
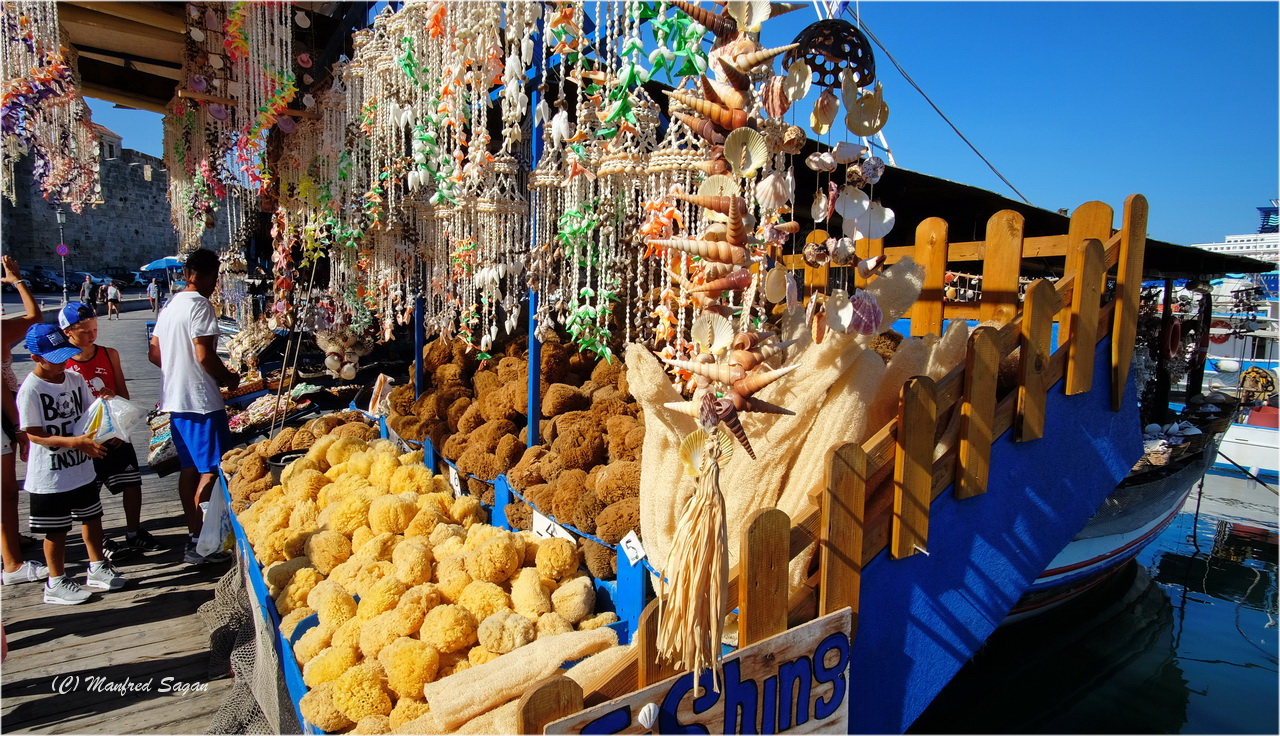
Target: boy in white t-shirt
pixel 60 474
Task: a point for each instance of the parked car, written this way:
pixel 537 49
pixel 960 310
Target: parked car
pixel 135 278
pixel 76 278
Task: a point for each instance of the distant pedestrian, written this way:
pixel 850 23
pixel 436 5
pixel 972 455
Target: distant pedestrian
pixel 153 293
pixel 89 293
pixel 118 470
pixel 184 346
pixel 14 447
pixel 60 476
pixel 113 300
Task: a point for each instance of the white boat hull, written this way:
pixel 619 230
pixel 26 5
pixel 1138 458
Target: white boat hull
pixel 1256 449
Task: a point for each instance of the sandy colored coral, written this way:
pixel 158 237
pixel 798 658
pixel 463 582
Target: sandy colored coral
pixel 557 558
pixel 449 628
pixel 360 692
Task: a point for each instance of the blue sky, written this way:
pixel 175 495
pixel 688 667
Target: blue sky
pixel 1070 101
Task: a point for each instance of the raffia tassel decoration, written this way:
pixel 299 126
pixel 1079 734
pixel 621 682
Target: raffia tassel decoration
pixel 693 592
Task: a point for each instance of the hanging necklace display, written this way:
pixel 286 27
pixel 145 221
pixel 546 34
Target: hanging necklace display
pixel 259 43
pixel 42 110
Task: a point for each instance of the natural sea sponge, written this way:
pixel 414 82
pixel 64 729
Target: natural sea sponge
pixel 413 607
pixel 279 575
pixel 484 599
pixel 466 510
pixel 347 515
pixel 391 513
pixel 449 628
pixel 312 642
pixel 327 549
pixel 411 477
pixel 343 448
pixel 413 561
pixel 379 631
pixel 529 597
pixel 408 709
pixel 290 622
pixel 444 532
pixel 618 481
pixel 601 561
pixel 302 440
pixel 581 445
pixel 305 484
pixel 504 631
pixel 332 604
pixel 381 597
pixel 451 575
pixel 378 546
pixel 410 664
pixel 561 398
pixel 557 558
pixel 618 519
pixel 372 725
pixel 252 468
pixel 588 508
pixel 478 655
pixel 348 634
pixel 360 692
pixel 318 709
pixel 509 451
pixel 597 621
pixel 606 373
pixel 551 624
pixel 519 515
pixel 574 600
pixel 495 561
pixel 294 595
pixel 328 665
pixel 526 472
pixel 569 489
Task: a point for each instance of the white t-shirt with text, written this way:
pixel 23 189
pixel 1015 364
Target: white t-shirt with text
pixel 185 386
pixel 55 408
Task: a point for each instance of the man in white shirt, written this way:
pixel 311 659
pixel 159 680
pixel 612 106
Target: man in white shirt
pixel 184 346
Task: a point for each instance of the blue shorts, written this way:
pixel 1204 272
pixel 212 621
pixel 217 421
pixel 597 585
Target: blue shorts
pixel 200 439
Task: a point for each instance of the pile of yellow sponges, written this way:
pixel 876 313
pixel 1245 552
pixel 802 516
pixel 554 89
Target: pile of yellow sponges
pixel 439 590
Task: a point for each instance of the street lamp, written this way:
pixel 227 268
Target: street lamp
pixel 62 251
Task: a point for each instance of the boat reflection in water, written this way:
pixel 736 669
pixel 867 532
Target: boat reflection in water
pixel 1181 640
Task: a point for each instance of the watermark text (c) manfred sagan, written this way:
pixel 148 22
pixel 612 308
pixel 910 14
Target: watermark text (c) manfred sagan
pixel 66 684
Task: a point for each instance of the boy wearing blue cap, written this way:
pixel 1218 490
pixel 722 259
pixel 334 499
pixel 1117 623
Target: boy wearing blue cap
pixel 60 475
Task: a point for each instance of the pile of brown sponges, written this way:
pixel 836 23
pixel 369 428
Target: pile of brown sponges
pixel 247 466
pixel 439 590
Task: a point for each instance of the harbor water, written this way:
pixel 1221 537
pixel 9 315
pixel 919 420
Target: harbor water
pixel 1183 639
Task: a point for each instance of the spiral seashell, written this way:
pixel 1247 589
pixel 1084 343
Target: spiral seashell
pixel 753 382
pixel 824 112
pixel 748 340
pixel 749 359
pixel 733 76
pixel 716 203
pixel 816 255
pixel 736 281
pixel 846 152
pixel 716 372
pixel 725 117
pixel 712 251
pixel 774 97
pixel 712 166
pixel 723 26
pixel 727 414
pixel 724 94
pixel 736 233
pixel 772 192
pixel 870 266
pixel 791 228
pixel 820 161
pixel 701 127
pixel 865 314
pixel 793 140
pixel 756 406
pixel 752 59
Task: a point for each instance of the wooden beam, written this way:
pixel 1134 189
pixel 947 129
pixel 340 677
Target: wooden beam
pixel 98 19
pixel 1133 245
pixel 550 700
pixel 762 572
pixel 1001 266
pixel 977 413
pixel 98 91
pixel 843 507
pixel 142 66
pixel 913 467
pixel 138 13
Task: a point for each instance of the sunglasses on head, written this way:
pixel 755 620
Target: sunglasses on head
pixel 83 313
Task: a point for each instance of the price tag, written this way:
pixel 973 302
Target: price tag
pixel 632 548
pixel 544 527
pixel 454 481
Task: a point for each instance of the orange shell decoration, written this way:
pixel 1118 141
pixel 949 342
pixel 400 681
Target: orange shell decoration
pixel 725 117
pixel 712 251
pixel 775 99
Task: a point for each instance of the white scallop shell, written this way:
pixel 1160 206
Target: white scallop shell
pixel 799 79
pixel 775 285
pixel 821 161
pixel 749 14
pixel 849 87
pixel 852 202
pixel 839 310
pixel 824 112
pixel 716 186
pixel 877 222
pixel 648 715
pixel 693 449
pixel 818 210
pixel 846 152
pixel 712 333
pixel 746 152
pixel 772 192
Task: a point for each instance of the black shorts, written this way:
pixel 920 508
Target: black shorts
pixel 118 469
pixel 114 301
pixel 53 512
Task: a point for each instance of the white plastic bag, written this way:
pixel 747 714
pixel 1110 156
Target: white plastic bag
pixel 98 423
pixel 217 524
pixel 129 418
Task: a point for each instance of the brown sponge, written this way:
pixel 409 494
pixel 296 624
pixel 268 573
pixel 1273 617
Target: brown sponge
pixel 619 481
pixel 562 398
pixel 602 562
pixel 618 519
pixel 527 471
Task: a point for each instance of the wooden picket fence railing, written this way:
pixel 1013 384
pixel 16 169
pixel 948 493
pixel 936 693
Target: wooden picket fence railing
pixel 877 494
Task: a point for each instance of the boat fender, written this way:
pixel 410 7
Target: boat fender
pixel 1219 324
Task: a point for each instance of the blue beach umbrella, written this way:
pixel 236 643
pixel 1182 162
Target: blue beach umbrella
pixel 166 262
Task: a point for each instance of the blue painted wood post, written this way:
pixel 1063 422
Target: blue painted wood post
pixel 501 497
pixel 419 344
pixel 534 407
pixel 429 456
pixel 628 602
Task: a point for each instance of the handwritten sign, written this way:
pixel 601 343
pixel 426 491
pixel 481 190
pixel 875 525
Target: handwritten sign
pixel 795 682
pixel 544 527
pixel 454 482
pixel 632 548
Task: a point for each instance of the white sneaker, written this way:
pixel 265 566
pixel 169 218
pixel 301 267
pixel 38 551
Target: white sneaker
pixel 65 593
pixel 105 577
pixel 28 572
